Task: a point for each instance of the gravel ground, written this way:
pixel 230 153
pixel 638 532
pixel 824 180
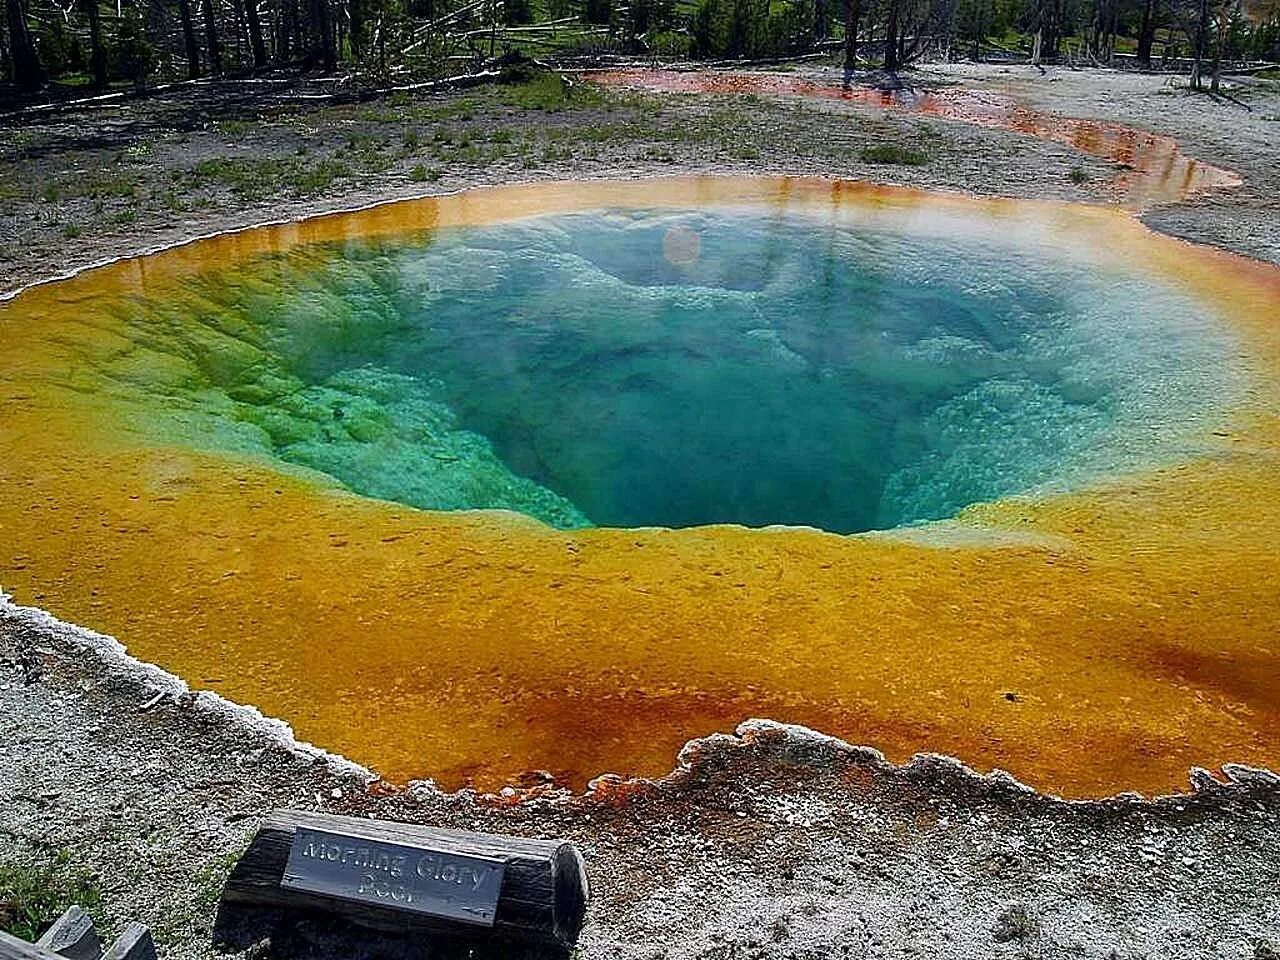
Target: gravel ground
pixel 773 843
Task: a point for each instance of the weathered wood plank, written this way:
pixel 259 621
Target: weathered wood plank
pixel 72 936
pixel 543 895
pixel 134 943
pixel 11 948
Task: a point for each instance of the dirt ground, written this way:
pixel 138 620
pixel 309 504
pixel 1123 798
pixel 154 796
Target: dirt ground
pixel 775 842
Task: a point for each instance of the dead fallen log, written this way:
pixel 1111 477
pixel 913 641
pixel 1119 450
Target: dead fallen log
pixel 408 879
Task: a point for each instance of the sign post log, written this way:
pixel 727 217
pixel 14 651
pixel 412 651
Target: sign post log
pixel 410 879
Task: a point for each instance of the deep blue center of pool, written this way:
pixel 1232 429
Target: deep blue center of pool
pixel 723 366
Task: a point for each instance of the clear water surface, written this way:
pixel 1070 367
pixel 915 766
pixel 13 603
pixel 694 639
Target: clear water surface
pixel 724 365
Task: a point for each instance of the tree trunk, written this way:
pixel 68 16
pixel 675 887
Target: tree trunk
pixel 98 53
pixel 852 16
pixel 189 39
pixel 28 72
pixel 254 23
pixel 321 21
pixel 1146 33
pixel 355 10
pixel 891 38
pixel 1202 30
pixel 1217 50
pixel 286 30
pixel 818 32
pixel 211 36
pixel 1052 31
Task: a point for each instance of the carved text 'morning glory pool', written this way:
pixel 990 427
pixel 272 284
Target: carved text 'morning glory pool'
pixel 395 875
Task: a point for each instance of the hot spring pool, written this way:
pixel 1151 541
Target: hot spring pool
pixel 676 368
pixel 271 462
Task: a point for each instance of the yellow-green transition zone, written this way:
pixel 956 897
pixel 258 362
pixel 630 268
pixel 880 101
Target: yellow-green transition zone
pixel 164 481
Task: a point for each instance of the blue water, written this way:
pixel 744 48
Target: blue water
pixel 716 366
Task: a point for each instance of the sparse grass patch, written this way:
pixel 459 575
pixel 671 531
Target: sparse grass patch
pixel 422 173
pixel 234 129
pixel 461 109
pixel 316 178
pixel 211 878
pixel 378 115
pixel 895 154
pixel 33 895
pixel 1077 174
pixel 544 92
pixel 9 189
pixel 259 179
pixel 111 185
pixel 548 91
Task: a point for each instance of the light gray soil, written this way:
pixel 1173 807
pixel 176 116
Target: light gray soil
pixel 1240 131
pixel 774 843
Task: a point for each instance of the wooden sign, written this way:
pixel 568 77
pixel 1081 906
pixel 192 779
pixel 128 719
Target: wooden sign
pixel 401 877
pixel 423 879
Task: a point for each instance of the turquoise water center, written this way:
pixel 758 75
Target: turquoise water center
pixel 726 364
